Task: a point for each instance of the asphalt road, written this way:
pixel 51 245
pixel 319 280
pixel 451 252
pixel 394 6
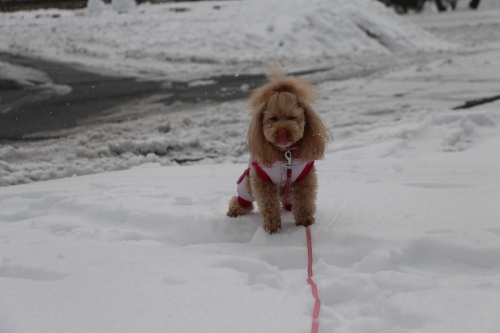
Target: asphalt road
pixel 30 112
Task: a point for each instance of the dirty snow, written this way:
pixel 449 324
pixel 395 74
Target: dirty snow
pixel 14 76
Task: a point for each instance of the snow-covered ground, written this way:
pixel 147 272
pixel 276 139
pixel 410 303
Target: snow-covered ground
pixel 407 233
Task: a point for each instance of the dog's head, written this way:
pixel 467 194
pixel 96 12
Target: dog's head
pixel 283 117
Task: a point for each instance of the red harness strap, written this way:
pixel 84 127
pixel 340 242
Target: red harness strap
pixel 243 175
pixel 287 189
pixel 261 172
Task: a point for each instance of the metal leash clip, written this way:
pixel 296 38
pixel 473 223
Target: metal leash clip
pixel 288 156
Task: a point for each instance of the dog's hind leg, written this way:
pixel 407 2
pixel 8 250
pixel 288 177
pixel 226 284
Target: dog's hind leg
pixel 267 196
pixel 304 199
pixel 236 209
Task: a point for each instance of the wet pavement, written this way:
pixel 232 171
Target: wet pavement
pixel 27 110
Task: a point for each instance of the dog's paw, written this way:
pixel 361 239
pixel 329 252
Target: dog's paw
pixel 305 221
pixel 233 212
pixel 271 226
pixel 235 209
pixel 238 211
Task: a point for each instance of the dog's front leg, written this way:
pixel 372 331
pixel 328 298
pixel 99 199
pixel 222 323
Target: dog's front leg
pixel 304 199
pixel 267 196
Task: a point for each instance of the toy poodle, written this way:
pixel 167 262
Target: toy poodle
pixel 285 137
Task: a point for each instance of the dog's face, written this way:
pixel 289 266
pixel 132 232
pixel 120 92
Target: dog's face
pixel 283 120
pixel 282 117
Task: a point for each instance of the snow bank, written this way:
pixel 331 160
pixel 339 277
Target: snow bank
pixel 162 39
pixel 118 147
pixel 213 134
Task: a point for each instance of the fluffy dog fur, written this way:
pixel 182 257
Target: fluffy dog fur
pixel 283 103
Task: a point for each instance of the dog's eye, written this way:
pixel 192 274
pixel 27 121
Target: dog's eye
pixel 292 118
pixel 274 119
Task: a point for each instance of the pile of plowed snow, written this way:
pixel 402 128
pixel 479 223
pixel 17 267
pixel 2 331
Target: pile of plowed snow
pixel 209 36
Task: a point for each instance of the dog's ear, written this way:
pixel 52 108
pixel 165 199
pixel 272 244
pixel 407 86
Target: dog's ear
pixel 260 149
pixel 316 136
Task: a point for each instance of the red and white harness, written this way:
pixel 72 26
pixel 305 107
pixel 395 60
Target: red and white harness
pixel 280 173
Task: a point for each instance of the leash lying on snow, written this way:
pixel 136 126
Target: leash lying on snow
pixel 314 288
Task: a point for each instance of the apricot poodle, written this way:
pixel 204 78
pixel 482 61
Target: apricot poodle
pixel 285 137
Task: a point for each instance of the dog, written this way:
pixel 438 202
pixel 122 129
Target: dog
pixel 284 139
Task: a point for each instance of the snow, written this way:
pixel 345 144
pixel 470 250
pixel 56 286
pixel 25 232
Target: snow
pixel 402 243
pixel 123 5
pixel 20 76
pixel 193 40
pixel 95 7
pixel 406 239
pixel 23 76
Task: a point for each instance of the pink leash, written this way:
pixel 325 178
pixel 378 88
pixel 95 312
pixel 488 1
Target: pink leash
pixel 314 288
